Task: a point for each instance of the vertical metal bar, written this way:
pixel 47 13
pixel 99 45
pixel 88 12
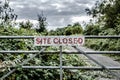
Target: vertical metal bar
pixel 24 62
pixel 61 63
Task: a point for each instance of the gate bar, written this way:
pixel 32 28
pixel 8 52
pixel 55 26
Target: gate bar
pixel 71 67
pixel 24 62
pixel 64 52
pixel 86 36
pixel 68 67
pixel 102 37
pixel 17 37
pixel 61 75
pixel 104 67
pixel 102 52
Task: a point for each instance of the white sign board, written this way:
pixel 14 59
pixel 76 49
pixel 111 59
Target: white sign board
pixel 58 40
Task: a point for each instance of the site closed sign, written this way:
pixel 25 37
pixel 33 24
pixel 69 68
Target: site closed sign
pixel 58 40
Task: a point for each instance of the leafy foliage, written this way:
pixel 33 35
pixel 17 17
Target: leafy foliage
pixel 92 29
pixel 43 59
pixel 107 14
pixel 69 30
pixel 6 13
pixel 26 25
pixel 42 23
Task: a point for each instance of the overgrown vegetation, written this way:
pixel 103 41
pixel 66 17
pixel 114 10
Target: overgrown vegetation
pixel 11 60
pixel 42 60
pixel 107 15
pixel 76 28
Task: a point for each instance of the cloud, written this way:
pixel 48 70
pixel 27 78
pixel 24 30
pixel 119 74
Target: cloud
pixel 58 6
pixel 20 6
pixel 80 19
pixel 58 12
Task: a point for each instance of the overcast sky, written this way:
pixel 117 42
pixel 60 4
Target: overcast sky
pixel 59 13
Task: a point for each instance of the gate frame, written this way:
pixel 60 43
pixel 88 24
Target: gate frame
pixel 102 67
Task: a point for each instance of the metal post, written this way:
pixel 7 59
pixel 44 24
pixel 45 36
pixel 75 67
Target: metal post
pixel 60 62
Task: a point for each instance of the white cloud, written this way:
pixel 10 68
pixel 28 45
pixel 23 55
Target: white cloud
pixel 41 8
pixel 59 10
pixel 20 6
pixel 24 20
pixel 43 1
pixel 80 19
pixel 58 5
pixel 62 21
pixel 33 6
pixel 89 6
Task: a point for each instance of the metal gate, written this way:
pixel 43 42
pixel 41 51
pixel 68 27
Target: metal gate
pixel 61 67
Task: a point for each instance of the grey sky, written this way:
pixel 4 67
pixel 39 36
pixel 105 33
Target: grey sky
pixel 59 13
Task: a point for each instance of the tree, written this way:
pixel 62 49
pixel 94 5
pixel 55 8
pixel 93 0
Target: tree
pixel 41 23
pixel 68 30
pixel 73 29
pixel 92 29
pixel 107 12
pixel 107 15
pixel 26 25
pixel 76 24
pixel 6 13
pixel 77 29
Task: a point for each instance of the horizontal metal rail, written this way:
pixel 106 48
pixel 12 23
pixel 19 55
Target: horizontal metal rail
pixel 68 67
pixel 72 67
pixel 102 52
pixel 64 52
pixel 17 37
pixel 86 36
pixel 102 37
